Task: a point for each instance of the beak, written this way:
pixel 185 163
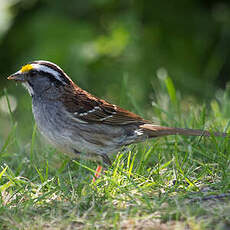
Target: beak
pixel 18 76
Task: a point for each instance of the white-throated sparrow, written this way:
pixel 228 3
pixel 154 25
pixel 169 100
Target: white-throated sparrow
pixel 79 123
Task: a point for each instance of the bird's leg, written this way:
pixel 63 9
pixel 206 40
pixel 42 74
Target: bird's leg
pixel 97 173
pixel 106 162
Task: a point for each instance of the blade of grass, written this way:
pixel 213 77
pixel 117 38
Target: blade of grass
pixel 32 143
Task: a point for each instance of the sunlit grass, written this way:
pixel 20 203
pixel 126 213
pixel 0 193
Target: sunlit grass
pixel 166 183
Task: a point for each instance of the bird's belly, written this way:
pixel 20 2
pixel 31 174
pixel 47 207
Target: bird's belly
pixel 74 138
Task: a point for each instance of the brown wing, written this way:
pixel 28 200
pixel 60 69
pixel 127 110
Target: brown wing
pixel 89 108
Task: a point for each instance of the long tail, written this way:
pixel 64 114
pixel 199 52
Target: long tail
pixel 158 131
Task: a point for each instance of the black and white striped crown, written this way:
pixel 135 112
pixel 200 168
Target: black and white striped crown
pixel 47 67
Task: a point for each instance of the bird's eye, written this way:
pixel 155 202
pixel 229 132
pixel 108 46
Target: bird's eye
pixel 32 72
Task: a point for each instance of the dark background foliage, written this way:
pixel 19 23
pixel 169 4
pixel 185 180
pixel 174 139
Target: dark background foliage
pixel 102 43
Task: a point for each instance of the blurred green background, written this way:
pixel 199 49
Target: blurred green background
pixel 116 49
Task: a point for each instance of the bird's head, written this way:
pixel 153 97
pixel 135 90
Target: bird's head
pixel 38 76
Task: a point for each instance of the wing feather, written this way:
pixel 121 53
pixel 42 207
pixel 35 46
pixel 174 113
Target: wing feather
pixel 89 108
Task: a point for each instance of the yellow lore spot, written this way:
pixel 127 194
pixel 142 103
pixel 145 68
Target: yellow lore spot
pixel 26 68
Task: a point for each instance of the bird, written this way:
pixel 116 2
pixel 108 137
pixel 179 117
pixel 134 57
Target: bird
pixel 80 124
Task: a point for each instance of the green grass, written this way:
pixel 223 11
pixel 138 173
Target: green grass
pixel 168 183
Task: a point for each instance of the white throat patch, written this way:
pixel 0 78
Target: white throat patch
pixel 29 88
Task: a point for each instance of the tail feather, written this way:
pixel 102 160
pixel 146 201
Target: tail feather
pixel 158 131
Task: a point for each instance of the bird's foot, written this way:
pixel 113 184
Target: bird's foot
pixel 97 173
